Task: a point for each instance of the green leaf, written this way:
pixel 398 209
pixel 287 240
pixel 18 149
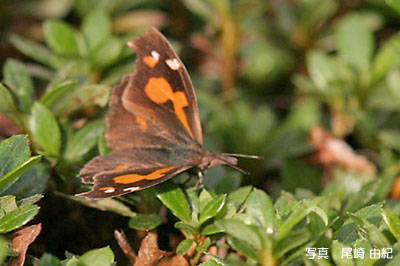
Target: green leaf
pixel 107 53
pixel 204 198
pixel 241 231
pixel 145 221
pixel 293 239
pixel 96 28
pixel 102 146
pixel 98 257
pixel 185 227
pixel 387 57
pixel 106 204
pixel 49 260
pixel 61 37
pixel 337 254
pixel 393 222
pixel 371 232
pixel 322 70
pixel 239 196
pixel 57 94
pixel 259 206
pixel 17 218
pixel 244 248
pixel 83 140
pixel 14 151
pixel 37 51
pixel 8 203
pixel 194 203
pixel 210 263
pixel 174 198
pixel 3 249
pixel 355 42
pixel 347 233
pixel 18 79
pixel 45 130
pixel 7 104
pixel 32 182
pixel 10 178
pixel 184 247
pixel 296 216
pixel 211 229
pixel 204 246
pixel 30 200
pixel 212 208
pixel 70 97
pixel 394 4
pixel 298 174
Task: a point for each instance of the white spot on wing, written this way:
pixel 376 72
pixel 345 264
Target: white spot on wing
pixel 130 44
pixel 155 55
pixel 111 190
pixel 131 189
pixel 173 64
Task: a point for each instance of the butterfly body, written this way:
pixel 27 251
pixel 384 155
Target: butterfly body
pixel 153 125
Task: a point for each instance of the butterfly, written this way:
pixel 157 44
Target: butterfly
pixel 153 125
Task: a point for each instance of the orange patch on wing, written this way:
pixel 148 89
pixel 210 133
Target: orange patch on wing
pixel 150 61
pixel 121 167
pixel 106 188
pixel 160 91
pixel 132 178
pixel 142 123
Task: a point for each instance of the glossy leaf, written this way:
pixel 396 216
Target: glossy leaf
pixel 145 221
pixel 98 257
pixel 244 248
pixel 242 232
pixel 12 177
pixel 295 217
pixel 107 53
pixel 184 246
pixel 57 94
pixel 260 207
pixel 17 218
pixel 45 130
pixel 96 28
pixel 393 222
pixel 212 208
pixel 355 42
pixel 49 260
pixel 83 140
pixel 37 51
pixel 32 182
pixel 174 198
pixel 19 80
pixel 61 37
pixel 14 151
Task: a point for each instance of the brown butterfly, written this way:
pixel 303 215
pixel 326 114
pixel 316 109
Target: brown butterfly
pixel 153 126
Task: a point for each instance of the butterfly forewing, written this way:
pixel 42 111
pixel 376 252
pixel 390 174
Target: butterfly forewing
pixel 167 82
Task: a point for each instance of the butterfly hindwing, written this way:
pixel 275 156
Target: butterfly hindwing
pixel 122 172
pixel 116 183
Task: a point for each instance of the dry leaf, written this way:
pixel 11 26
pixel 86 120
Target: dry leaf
pixel 125 246
pixel 21 241
pixel 332 151
pixel 395 193
pixel 150 255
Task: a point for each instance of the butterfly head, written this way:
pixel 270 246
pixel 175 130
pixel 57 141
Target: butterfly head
pixel 210 159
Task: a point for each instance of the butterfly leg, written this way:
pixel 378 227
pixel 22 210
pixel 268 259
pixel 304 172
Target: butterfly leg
pixel 200 174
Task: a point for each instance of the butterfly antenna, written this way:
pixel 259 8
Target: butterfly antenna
pixel 235 167
pixel 244 156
